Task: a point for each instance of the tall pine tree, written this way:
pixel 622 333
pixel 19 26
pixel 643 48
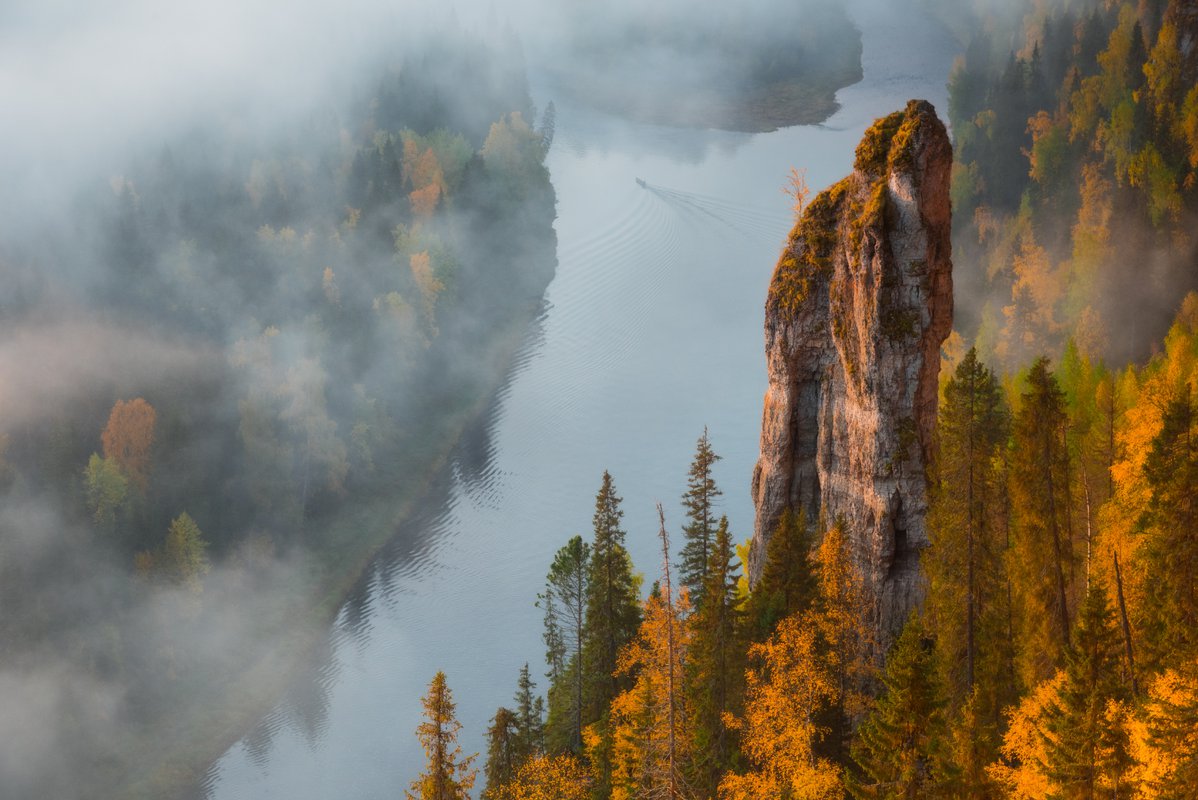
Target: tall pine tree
pixel 502 752
pixel 715 667
pixel 965 564
pixel 700 529
pixel 564 603
pixel 612 619
pixel 968 587
pixel 1042 564
pixel 1087 738
pixel 530 718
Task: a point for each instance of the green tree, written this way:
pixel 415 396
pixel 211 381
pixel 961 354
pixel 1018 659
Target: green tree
pixel 502 746
pixel 899 747
pixel 513 154
pixel 183 557
pixel 715 667
pixel 965 562
pixel 1170 608
pixel 613 617
pixel 448 774
pixel 1042 562
pixel 530 718
pixel 107 489
pixel 968 589
pixel 1087 738
pixel 788 582
pixel 564 603
pixel 700 529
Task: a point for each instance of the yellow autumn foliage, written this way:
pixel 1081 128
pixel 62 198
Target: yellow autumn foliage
pixel 794 679
pixel 545 777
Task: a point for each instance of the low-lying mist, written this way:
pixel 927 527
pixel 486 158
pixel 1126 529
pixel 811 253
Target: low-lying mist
pixel 263 263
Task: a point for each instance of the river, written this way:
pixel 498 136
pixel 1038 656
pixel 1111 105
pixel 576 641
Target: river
pixel 650 330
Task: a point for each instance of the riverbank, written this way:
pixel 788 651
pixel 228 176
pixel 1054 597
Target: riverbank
pixel 780 104
pixel 753 69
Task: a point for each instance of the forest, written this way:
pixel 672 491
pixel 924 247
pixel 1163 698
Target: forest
pixel 1076 143
pixel 755 66
pixel 236 355
pixel 1055 653
pixel 247 348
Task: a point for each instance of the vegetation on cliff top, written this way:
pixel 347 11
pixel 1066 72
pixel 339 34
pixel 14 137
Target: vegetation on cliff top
pixel 887 145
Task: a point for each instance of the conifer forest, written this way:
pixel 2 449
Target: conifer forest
pixel 381 400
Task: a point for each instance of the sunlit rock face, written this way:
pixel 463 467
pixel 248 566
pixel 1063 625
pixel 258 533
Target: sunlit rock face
pixel 858 307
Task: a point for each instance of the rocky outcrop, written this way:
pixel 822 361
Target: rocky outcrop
pixel 858 307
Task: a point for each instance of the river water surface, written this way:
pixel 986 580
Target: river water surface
pixel 651 330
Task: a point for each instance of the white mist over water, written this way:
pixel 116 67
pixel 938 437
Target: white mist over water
pixel 651 330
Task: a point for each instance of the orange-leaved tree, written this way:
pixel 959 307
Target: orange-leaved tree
pixel 448 774
pixel 547 778
pixel 128 436
pixel 794 679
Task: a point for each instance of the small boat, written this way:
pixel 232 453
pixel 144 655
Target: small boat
pixel 641 183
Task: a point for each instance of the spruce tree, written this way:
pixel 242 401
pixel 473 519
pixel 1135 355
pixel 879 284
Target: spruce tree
pixel 787 584
pixel 899 746
pixel 613 617
pixel 1170 612
pixel 700 529
pixel 965 564
pixel 502 746
pixel 530 723
pixel 1087 739
pixel 1043 559
pixel 967 604
pixel 448 774
pixel 564 603
pixel 716 666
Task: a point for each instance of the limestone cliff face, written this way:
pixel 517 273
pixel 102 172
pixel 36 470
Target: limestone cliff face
pixel 858 307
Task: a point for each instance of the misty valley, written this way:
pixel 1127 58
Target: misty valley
pixel 386 410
